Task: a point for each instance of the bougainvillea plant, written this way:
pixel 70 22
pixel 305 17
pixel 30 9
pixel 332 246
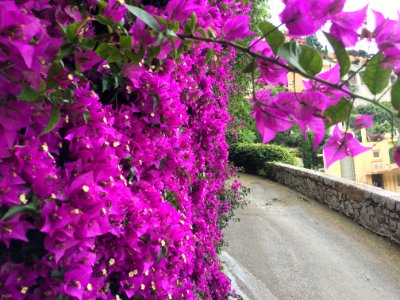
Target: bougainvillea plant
pixel 112 135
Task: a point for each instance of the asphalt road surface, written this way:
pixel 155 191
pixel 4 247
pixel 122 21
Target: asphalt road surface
pixel 289 247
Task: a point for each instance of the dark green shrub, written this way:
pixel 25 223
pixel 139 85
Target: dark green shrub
pixel 252 157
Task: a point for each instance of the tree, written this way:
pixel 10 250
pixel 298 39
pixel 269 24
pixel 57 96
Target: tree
pixel 382 118
pixel 360 52
pixel 312 40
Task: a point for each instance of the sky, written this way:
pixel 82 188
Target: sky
pixel 389 8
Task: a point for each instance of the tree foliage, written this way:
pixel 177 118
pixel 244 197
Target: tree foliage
pixel 312 40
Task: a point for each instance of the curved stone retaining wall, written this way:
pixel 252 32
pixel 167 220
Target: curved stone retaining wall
pixel 372 207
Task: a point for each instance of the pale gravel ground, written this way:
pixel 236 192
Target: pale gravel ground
pixel 288 247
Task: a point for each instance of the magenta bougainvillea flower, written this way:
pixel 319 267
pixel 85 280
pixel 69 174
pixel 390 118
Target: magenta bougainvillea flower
pixel 237 28
pixel 387 36
pixel 180 10
pixel 122 198
pixel 87 60
pixel 363 121
pixel 270 119
pixel 306 110
pixel 278 113
pixel 115 10
pixel 345 26
pixel 340 145
pixel 299 19
pixel 270 73
pixel 333 76
pixel 396 155
pixel 307 17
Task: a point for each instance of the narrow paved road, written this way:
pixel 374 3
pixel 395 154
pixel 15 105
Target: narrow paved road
pixel 288 247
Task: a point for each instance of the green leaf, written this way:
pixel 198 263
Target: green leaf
pixel 375 76
pixel 162 20
pixel 72 31
pixel 170 32
pixel 66 50
pixel 162 254
pixel 88 43
pixel 340 52
pixel 136 57
pixel 132 176
pixel 102 3
pixel 202 32
pixel 212 33
pixel 126 160
pixel 104 21
pixel 102 50
pixel 109 52
pixel 185 45
pixel 274 37
pixel 29 94
pixel 19 209
pixel 395 94
pixel 209 55
pixel 144 16
pixel 125 41
pixel 291 53
pixel 302 57
pixel 337 113
pixel 175 27
pixel 152 52
pixel 86 116
pixel 250 67
pixel 191 24
pixel 160 38
pixel 57 274
pixel 156 100
pixel 53 120
pixel 107 83
pixel 53 72
pixel 117 80
pixel 310 60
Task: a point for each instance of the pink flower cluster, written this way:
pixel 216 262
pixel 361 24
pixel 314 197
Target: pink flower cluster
pixel 308 16
pixel 306 109
pixel 277 113
pixel 122 198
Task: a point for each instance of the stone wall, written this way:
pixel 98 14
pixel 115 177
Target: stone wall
pixel 372 207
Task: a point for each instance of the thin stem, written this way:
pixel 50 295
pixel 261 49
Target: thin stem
pixel 9 65
pixel 384 93
pixel 253 80
pixel 262 105
pixel 8 76
pixel 355 73
pixel 349 114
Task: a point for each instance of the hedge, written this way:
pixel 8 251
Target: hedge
pixel 252 157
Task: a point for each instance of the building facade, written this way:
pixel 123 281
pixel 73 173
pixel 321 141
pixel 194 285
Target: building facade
pixel 375 167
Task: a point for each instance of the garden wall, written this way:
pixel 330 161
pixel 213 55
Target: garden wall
pixel 372 207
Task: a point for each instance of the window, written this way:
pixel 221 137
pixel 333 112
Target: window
pixel 377 165
pixel 375 154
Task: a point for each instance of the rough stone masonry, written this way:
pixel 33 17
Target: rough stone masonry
pixel 372 207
